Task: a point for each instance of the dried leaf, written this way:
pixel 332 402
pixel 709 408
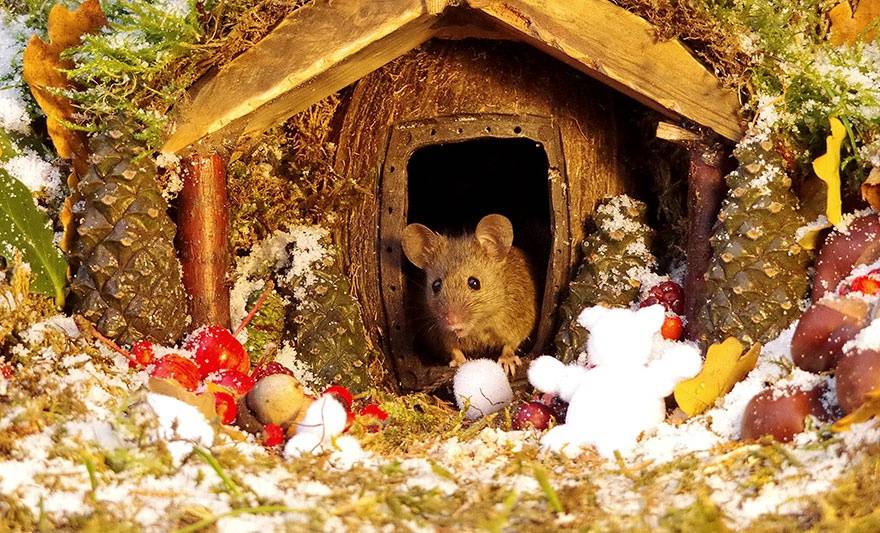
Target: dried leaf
pixel 847 27
pixel 827 167
pixel 43 68
pixel 865 412
pixel 203 402
pixel 725 365
pixel 871 189
pixel 66 216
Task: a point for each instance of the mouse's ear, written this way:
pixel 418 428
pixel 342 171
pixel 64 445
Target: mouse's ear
pixel 495 235
pixel 419 244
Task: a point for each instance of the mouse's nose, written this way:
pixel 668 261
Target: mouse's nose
pixel 454 322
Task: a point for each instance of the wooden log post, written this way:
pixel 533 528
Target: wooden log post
pixel 706 188
pixel 203 230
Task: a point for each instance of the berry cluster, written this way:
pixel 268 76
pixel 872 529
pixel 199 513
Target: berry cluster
pixel 868 284
pixel 670 295
pixel 540 412
pixel 218 364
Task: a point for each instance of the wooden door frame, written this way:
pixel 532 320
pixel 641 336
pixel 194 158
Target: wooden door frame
pixel 406 138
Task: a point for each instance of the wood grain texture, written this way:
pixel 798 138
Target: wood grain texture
pixel 621 50
pixel 314 52
pixel 445 78
pixel 203 237
pixel 324 46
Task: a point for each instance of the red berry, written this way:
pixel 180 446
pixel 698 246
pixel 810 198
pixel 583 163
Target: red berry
pixel 341 394
pixel 373 410
pixel 648 301
pixel 672 328
pixel 273 435
pixel 532 414
pixel 268 369
pixel 669 294
pixel 557 405
pixel 869 285
pixel 179 369
pixel 143 354
pixel 225 406
pixel 231 381
pixel 6 370
pixel 216 349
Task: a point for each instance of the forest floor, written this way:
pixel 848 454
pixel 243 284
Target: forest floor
pixel 86 446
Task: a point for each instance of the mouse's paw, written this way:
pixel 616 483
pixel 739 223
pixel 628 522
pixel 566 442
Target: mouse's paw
pixel 458 358
pixel 509 361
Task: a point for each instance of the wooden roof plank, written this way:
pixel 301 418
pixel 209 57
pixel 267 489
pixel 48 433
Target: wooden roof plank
pixel 327 45
pixel 620 49
pixel 315 51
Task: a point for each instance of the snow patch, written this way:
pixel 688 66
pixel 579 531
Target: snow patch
pixel 481 387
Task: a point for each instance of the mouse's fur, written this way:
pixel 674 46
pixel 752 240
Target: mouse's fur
pixel 463 320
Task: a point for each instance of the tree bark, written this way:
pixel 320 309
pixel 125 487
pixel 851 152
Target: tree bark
pixel 706 188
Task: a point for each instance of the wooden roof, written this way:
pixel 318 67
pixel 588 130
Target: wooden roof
pixel 329 44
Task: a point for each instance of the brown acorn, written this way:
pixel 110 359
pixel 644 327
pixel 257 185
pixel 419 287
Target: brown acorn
pixel 843 251
pixel 781 414
pixel 817 344
pixel 857 374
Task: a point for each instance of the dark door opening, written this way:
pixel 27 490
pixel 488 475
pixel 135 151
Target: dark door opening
pixel 452 186
pixel 447 173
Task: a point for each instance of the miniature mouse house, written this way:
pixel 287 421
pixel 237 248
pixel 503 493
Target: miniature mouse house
pixel 458 111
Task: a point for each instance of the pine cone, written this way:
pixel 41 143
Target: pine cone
pixel 327 329
pixel 126 274
pixel 758 274
pixel 616 254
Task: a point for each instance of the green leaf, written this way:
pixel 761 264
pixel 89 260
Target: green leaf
pixel 25 228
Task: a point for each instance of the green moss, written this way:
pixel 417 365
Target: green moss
pixel 702 516
pixel 288 178
pixel 136 67
pixel 266 327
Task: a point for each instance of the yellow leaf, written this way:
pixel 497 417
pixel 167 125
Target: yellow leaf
pixel 725 365
pixel 827 167
pixel 43 69
pixel 808 237
pixel 847 27
pixel 865 412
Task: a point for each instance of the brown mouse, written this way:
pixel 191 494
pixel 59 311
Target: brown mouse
pixel 479 289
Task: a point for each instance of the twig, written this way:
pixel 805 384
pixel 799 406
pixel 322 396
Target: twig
pixel 257 305
pixel 109 343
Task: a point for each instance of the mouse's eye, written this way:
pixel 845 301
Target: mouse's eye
pixel 474 283
pixel 435 286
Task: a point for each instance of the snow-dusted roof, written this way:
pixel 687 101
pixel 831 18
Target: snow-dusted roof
pixel 324 46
